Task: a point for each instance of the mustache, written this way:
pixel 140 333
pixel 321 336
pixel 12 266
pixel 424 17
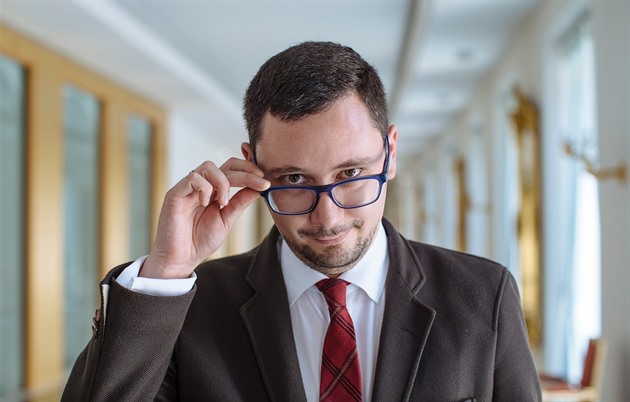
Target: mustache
pixel 330 232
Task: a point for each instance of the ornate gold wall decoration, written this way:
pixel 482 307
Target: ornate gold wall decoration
pixel 526 126
pixel 463 204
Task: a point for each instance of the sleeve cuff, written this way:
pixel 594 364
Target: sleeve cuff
pixel 156 287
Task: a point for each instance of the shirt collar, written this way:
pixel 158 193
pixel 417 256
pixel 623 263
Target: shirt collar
pixel 368 274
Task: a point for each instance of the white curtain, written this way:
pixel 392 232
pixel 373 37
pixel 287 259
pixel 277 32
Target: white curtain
pixel 572 291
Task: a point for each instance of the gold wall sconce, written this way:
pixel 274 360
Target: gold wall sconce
pixel 619 172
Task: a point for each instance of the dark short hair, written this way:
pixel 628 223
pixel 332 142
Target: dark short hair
pixel 307 79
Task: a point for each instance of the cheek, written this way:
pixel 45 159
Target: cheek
pixel 374 212
pixel 288 225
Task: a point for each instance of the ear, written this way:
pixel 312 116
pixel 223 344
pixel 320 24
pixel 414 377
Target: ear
pixel 392 134
pixel 248 154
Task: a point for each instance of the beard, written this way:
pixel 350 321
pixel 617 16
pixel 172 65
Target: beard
pixel 334 259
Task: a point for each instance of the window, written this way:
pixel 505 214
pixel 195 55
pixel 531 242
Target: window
pixel 12 118
pixel 477 186
pixel 572 279
pixel 66 149
pixel 139 157
pixel 431 233
pixel 81 217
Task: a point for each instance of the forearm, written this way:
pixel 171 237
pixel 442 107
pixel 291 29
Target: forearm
pixel 129 354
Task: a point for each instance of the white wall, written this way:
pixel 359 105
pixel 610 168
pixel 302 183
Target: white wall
pixel 188 146
pixel 610 20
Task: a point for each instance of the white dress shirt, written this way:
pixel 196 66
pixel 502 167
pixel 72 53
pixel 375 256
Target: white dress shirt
pixel 365 300
pixel 157 287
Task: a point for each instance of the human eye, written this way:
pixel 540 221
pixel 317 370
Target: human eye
pixel 350 173
pixel 293 179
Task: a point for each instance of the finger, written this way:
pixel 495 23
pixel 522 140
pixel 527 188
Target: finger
pixel 246 179
pixel 189 186
pixel 192 183
pixel 195 183
pixel 241 200
pixel 215 176
pixel 201 186
pixel 242 173
pixel 241 165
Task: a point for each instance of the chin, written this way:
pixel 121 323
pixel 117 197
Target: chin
pixel 333 259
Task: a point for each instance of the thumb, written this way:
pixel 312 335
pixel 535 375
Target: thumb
pixel 241 200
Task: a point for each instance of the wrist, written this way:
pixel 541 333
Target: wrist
pixel 157 269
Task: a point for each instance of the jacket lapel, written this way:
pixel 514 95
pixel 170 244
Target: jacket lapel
pixel 406 323
pixel 268 320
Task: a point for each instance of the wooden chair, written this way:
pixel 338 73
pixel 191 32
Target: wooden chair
pixel 557 389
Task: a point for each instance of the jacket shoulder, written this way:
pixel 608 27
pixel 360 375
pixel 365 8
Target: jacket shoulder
pixel 435 257
pixel 467 286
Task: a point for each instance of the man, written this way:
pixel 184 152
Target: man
pixel 334 304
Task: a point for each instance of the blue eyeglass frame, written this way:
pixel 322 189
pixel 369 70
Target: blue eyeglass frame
pixel 328 188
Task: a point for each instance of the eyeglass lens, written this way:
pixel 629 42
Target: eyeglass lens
pixel 353 193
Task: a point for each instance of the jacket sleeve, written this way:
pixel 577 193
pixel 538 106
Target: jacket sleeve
pixel 127 358
pixel 515 376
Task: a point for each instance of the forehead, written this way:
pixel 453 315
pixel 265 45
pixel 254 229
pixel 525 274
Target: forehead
pixel 343 132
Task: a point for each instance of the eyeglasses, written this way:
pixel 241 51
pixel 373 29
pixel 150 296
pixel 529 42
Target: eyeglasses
pixel 348 194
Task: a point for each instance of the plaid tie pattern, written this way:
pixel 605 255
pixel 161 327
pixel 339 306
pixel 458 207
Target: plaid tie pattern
pixel 341 375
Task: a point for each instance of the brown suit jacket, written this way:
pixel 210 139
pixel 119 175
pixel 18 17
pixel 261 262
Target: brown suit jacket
pixel 452 331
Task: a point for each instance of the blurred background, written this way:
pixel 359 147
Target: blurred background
pixel 513 119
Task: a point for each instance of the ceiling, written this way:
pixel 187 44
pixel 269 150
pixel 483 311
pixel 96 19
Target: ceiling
pixel 197 57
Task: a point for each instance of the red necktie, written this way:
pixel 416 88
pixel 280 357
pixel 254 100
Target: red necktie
pixel 341 375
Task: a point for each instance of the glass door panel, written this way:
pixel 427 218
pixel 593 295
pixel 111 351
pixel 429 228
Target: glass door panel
pixel 12 203
pixel 139 154
pixel 81 219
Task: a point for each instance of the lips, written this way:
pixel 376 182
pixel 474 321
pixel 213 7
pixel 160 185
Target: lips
pixel 330 236
pixel 331 240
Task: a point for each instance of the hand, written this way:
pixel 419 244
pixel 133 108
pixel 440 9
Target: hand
pixel 197 215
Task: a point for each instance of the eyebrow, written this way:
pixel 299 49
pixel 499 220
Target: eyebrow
pixel 345 164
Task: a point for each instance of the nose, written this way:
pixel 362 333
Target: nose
pixel 326 212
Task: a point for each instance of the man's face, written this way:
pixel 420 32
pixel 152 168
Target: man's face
pixel 325 148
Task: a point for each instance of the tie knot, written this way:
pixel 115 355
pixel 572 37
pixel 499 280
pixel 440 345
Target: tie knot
pixel 335 292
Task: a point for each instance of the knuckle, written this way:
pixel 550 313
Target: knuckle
pixel 208 164
pixel 229 163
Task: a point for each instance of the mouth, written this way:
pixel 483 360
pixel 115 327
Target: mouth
pixel 328 241
pixel 332 236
